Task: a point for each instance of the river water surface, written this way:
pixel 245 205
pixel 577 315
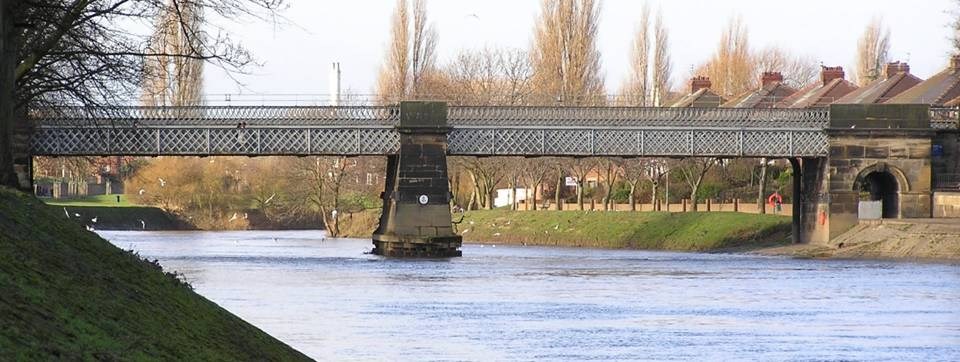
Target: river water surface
pixel 333 302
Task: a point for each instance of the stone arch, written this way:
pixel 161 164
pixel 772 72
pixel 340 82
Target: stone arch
pixel 885 183
pixel 902 182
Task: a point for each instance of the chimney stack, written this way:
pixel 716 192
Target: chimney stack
pixel 770 77
pixel 335 84
pixel 828 74
pixel 699 82
pixel 955 62
pixel 894 68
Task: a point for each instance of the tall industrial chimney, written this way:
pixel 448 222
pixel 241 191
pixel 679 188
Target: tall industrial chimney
pixel 335 84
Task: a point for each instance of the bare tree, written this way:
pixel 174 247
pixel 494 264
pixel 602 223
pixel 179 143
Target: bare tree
pixel 171 80
pixel 955 26
pixel 731 68
pixel 612 168
pixel 82 52
pixel 798 71
pixel 661 62
pixel 873 52
pixel 411 55
pixel 535 173
pixel 581 167
pixel 637 84
pixel 565 58
pixel 485 173
pixel 693 171
pixel 490 76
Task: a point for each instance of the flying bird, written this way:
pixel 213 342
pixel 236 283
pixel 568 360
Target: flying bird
pixel 162 182
pixel 76 214
pixel 142 191
pixel 65 212
pixel 233 218
pixel 270 198
pixel 94 219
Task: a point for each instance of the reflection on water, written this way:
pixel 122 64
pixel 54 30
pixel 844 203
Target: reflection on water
pixel 331 301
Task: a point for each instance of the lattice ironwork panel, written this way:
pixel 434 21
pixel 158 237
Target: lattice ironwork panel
pixel 568 142
pixel 666 143
pixel 283 141
pixel 471 141
pixel 333 141
pixel 766 143
pixel 616 142
pixel 183 141
pixel 519 142
pixel 379 141
pixel 250 116
pixel 716 143
pixel 71 141
pixel 134 141
pixel 232 141
pixel 810 143
pixel 637 117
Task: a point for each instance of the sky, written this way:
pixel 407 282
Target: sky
pixel 295 54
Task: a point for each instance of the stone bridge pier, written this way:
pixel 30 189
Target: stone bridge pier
pixel 878 153
pixel 416 218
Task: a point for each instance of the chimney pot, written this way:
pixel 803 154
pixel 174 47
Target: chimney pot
pixel 828 74
pixel 770 77
pixel 699 82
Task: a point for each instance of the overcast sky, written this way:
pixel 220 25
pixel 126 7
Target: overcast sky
pixel 296 57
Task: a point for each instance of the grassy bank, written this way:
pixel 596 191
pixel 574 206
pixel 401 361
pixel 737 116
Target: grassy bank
pixel 113 215
pixel 67 294
pixel 636 230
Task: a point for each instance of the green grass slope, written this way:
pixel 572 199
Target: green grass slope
pixel 65 293
pixel 693 231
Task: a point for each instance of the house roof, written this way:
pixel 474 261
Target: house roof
pixel 881 90
pixel 767 96
pixel 938 90
pixel 702 98
pixel 819 95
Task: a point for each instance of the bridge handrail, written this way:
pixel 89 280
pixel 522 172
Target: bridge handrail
pixel 638 117
pixel 945 118
pixel 219 115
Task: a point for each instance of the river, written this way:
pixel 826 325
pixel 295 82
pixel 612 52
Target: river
pixel 333 302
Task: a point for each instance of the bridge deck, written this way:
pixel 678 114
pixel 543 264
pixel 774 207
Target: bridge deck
pixel 481 131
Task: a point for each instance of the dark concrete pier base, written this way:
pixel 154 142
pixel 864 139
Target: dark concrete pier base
pixel 416 220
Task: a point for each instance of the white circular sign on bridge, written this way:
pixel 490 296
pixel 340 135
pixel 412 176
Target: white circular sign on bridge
pixel 424 199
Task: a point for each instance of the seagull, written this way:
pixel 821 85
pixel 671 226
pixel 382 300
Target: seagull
pixel 496 234
pixel 94 219
pixel 233 218
pixel 65 212
pixel 162 182
pixel 270 198
pixel 142 191
pixel 465 231
pixel 76 214
pixel 89 228
pixel 143 224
